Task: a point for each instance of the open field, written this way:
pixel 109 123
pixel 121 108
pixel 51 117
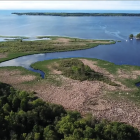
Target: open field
pixel 117 103
pixel 19 47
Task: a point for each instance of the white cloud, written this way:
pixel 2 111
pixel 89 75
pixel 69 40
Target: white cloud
pixel 71 5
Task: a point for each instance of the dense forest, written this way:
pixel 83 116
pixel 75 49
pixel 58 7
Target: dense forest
pixel 23 116
pixel 78 14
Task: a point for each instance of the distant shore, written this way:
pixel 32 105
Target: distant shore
pixel 77 14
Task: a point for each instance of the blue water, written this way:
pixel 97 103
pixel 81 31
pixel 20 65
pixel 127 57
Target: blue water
pixel 117 28
pixel 82 27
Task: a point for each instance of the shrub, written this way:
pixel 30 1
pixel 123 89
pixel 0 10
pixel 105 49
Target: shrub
pixel 131 36
pixel 75 69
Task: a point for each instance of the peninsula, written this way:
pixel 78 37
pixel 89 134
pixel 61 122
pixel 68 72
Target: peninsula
pixel 77 14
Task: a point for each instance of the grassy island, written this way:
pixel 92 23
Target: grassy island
pixel 18 47
pixel 131 36
pixel 77 14
pixel 138 36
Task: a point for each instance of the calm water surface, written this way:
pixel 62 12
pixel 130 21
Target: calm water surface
pixel 118 28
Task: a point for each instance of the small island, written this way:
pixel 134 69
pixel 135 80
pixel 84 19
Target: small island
pixel 131 36
pixel 76 14
pixel 138 36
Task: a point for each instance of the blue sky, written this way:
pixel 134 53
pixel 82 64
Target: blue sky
pixel 71 5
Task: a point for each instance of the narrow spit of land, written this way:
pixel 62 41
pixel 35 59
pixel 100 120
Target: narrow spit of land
pixel 18 46
pixel 77 14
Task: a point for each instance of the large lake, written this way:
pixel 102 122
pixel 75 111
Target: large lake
pixel 118 28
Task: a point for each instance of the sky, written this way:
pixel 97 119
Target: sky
pixel 70 5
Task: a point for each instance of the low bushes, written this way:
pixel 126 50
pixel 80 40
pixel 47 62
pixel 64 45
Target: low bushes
pixel 75 69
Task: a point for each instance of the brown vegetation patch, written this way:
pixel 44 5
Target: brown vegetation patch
pixel 88 96
pixel 121 110
pixel 93 66
pixel 71 95
pixel 127 74
pixel 14 77
pixel 75 42
pixel 99 105
pixel 56 72
pixel 3 55
pixel 52 69
pixel 63 40
pixel 70 44
pixel 101 42
pixel 123 74
pixel 137 72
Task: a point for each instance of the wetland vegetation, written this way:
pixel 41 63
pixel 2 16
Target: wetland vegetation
pixel 19 47
pixel 75 68
pixel 85 85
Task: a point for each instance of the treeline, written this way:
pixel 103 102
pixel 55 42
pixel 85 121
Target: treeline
pixel 132 36
pixel 25 117
pixel 78 14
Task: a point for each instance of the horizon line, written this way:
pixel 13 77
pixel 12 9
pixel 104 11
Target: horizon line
pixel 78 9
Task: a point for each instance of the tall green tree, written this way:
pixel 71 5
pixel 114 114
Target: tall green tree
pixel 138 36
